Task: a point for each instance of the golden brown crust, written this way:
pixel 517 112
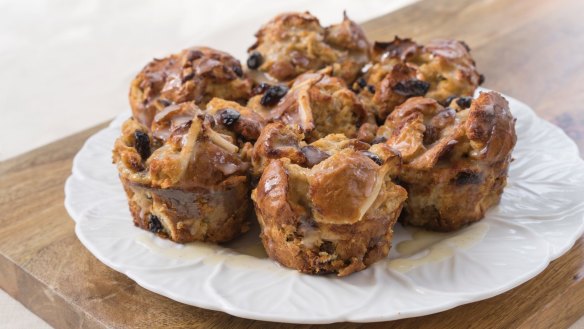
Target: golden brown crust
pixel 401 69
pixel 294 43
pixel 449 68
pixel 455 159
pixel 319 105
pixel 187 178
pixel 196 74
pixel 333 215
pixel 276 141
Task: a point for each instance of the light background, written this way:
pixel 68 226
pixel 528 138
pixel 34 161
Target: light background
pixel 66 64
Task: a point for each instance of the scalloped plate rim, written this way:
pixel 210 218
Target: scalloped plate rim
pixel 319 319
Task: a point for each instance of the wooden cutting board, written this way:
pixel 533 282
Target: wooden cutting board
pixel 532 50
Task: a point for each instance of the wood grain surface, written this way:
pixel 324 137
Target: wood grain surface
pixel 531 50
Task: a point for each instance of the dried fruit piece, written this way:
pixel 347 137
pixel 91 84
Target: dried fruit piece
pixel 273 95
pixel 411 88
pixel 154 226
pixel 255 60
pixel 229 117
pixel 464 102
pixel 142 144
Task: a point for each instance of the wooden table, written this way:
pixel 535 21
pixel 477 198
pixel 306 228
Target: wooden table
pixel 532 50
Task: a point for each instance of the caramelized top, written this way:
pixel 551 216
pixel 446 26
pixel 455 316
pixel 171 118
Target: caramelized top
pixel 188 147
pixel 335 179
pixel 319 105
pixel 196 74
pixel 293 43
pixel 402 69
pixel 428 134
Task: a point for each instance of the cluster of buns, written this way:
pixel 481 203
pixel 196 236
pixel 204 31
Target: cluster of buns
pixel 326 136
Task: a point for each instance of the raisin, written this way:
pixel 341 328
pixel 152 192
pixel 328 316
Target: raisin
pixel 255 60
pixel 154 224
pixel 481 79
pixel 373 157
pixel 142 144
pixel 361 82
pixel 378 140
pixel 273 95
pixel 464 102
pixel 467 177
pixel 431 134
pixel 313 155
pixel 237 70
pixel 229 117
pixel 371 89
pixel 411 88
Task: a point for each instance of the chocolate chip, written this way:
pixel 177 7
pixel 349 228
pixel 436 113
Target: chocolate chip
pixel 142 144
pixel 229 117
pixel 465 45
pixel 378 140
pixel 371 89
pixel 273 95
pixel 261 88
pixel 481 79
pixel 411 88
pixel 164 102
pixel 361 82
pixel 313 155
pixel 154 224
pixel 468 177
pixel 237 70
pixel 464 102
pixel 255 60
pixel 373 157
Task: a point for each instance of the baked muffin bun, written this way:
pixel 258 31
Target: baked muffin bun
pixel 329 206
pixel 456 158
pixel 319 104
pixel 294 43
pixel 187 178
pixel 196 74
pixel 441 70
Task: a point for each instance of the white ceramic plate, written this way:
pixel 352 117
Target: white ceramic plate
pixel 540 217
